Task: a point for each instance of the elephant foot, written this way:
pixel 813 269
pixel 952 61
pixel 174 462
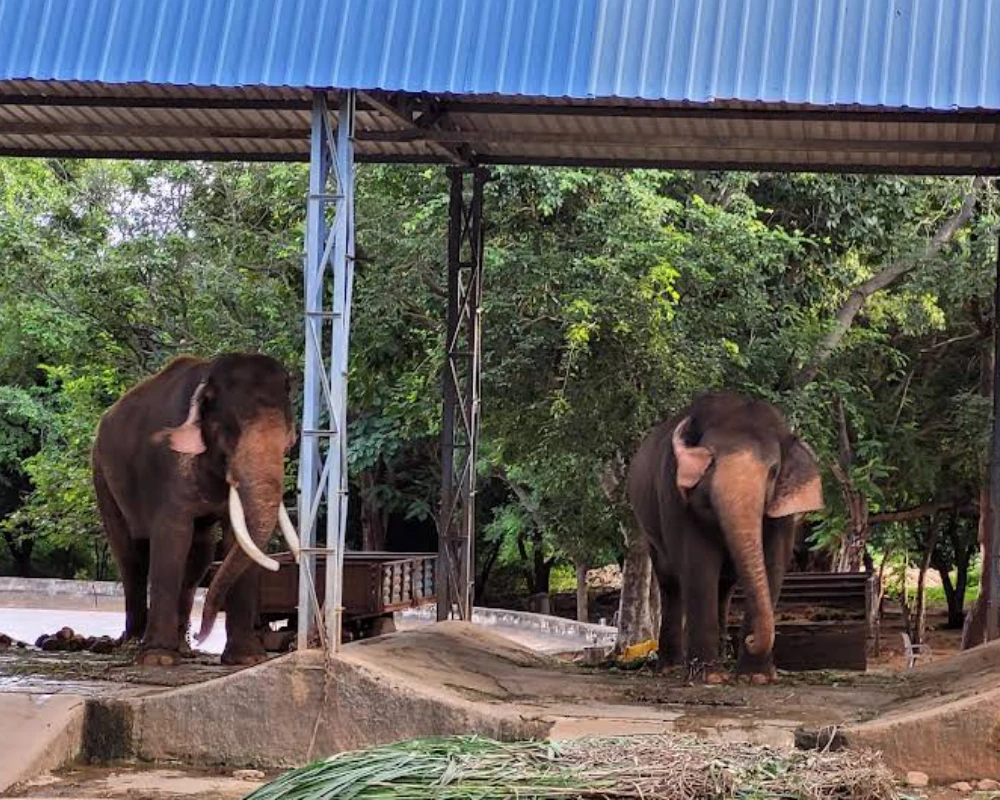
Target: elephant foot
pixel 756 678
pixel 707 672
pixel 244 653
pixel 667 662
pixel 128 641
pixel 157 657
pixel 755 671
pixel 185 649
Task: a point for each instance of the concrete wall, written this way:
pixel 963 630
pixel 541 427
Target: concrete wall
pixel 55 587
pixel 598 635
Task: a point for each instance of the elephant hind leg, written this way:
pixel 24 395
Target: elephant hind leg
pixel 130 554
pixel 671 642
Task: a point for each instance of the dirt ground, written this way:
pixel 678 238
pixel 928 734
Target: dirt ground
pixel 138 782
pixel 943 642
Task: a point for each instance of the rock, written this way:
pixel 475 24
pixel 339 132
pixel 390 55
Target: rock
pixel 65 634
pixel 249 775
pixel 50 644
pixel 988 785
pixel 5 641
pixel 102 646
pixel 962 786
pixel 917 779
pixel 40 640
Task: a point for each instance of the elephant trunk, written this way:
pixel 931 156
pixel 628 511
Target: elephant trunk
pixel 256 476
pixel 738 493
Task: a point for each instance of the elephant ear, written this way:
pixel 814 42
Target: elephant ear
pixel 692 460
pixel 187 438
pixel 798 488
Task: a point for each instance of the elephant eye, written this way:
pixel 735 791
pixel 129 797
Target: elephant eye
pixel 772 473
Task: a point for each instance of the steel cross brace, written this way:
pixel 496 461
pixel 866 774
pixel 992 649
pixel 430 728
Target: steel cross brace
pixel 329 280
pixel 461 395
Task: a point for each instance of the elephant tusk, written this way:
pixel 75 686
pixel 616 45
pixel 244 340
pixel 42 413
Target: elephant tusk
pixel 246 543
pixel 288 531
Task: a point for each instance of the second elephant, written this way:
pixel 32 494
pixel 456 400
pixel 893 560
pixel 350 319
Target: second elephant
pixel 719 491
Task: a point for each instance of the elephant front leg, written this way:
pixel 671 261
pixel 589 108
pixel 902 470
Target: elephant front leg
pixel 169 547
pixel 243 645
pixel 700 591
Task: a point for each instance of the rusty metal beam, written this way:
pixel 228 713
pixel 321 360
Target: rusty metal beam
pixel 460 383
pixel 666 141
pixel 412 129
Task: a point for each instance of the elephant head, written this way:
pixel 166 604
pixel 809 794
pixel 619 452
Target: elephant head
pixel 240 423
pixel 738 463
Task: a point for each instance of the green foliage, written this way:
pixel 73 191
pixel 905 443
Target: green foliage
pixel 611 298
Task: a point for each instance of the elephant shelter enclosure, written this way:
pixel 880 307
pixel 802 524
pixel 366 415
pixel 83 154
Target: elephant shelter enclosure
pixel 900 87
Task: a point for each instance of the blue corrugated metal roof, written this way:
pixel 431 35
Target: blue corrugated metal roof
pixel 922 54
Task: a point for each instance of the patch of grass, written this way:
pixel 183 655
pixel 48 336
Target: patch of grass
pixel 651 767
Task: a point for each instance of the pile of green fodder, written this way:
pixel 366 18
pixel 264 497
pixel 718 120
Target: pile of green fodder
pixel 648 767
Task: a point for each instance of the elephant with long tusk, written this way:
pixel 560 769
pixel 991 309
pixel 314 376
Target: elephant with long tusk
pixel 718 491
pixel 201 443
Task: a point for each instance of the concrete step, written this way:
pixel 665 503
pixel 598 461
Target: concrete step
pixel 39 732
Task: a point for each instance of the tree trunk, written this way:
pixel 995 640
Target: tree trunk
pixel 654 604
pixel 930 543
pixel 856 541
pixel 974 630
pixel 956 619
pixel 20 548
pixel 951 595
pixel 541 571
pixel 954 593
pixel 479 591
pixel 374 521
pixel 582 611
pixel 634 622
pixel 879 603
pixel 904 608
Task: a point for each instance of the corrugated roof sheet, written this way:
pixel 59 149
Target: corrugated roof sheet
pixel 921 54
pixel 846 85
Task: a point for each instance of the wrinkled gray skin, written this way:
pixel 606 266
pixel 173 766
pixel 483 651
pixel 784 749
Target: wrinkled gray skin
pixel 719 490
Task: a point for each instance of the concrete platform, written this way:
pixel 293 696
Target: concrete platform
pixel 946 722
pixel 446 679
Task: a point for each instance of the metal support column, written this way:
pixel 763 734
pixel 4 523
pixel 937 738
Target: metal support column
pixel 461 387
pixel 993 602
pixel 329 280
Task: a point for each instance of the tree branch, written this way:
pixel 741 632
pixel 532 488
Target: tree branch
pixel 920 512
pixel 885 278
